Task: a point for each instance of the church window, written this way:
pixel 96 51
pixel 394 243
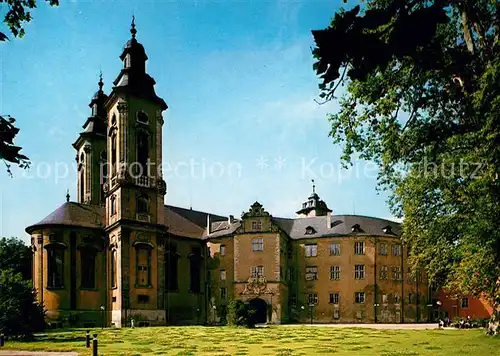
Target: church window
pixel 114 267
pixel 142 204
pixel 55 267
pixel 143 263
pixel 87 265
pixel 142 151
pixel 195 270
pixel 171 274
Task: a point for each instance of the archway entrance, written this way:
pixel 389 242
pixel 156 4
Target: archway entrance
pixel 260 307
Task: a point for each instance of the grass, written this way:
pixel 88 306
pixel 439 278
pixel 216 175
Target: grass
pixel 275 340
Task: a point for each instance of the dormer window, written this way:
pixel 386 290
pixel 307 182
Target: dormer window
pixel 256 225
pixel 310 203
pixel 355 228
pixel 304 205
pixel 310 230
pixel 142 117
pixel 387 229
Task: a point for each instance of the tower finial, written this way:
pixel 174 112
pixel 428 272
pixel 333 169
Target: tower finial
pixel 67 196
pixel 133 31
pixel 314 186
pixel 100 80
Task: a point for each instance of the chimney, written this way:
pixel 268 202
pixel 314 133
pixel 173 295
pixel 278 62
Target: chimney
pixel 328 220
pixel 230 220
pixel 209 224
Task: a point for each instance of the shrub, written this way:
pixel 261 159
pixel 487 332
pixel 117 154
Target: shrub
pixel 20 314
pixel 240 314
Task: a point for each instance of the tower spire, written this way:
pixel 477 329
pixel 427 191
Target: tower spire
pixel 133 31
pixel 314 186
pixel 67 195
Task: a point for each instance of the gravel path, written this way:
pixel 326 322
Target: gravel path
pixel 375 326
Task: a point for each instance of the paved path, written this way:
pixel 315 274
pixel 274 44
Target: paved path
pixel 28 353
pixel 375 326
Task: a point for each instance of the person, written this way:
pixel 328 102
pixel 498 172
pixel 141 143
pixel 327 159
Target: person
pixel 132 322
pixel 441 323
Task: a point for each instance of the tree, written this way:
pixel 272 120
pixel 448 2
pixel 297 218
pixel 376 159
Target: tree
pixel 240 314
pixel 20 314
pixel 422 99
pixel 18 14
pixel 15 255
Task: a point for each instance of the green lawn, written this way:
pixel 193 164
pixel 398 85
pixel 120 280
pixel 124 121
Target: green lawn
pixel 274 340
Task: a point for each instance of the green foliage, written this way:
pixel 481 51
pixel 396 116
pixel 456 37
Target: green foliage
pixel 20 315
pixel 8 151
pixel 422 100
pixel 240 314
pixel 19 13
pixel 15 255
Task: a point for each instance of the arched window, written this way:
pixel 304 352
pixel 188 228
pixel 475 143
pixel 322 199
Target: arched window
pixel 114 265
pixel 87 266
pixel 143 150
pixel 113 154
pixel 104 174
pixel 143 265
pixel 142 204
pixel 55 267
pixel 82 185
pixel 112 202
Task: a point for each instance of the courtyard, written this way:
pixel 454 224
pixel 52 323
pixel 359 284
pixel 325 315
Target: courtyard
pixel 273 340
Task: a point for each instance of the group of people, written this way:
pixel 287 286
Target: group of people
pixel 462 324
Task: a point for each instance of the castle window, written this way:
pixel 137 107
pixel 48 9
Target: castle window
pixel 55 266
pixel 256 225
pixel 142 204
pixel 114 162
pixel 223 293
pixel 336 314
pixel 257 271
pixel 396 250
pixel 142 152
pixel 387 229
pixel 396 273
pixel 311 273
pixel 311 250
pixel 114 267
pixel 142 117
pixel 359 271
pixel 82 186
pixel 293 300
pixel 222 250
pixel 87 267
pixel 335 249
pixel 222 274
pixel 359 248
pixel 258 244
pixel 359 297
pixel 143 265
pixel 334 273
pixel 334 298
pixel 171 261
pixel 382 250
pixel 464 302
pixel 113 205
pixel 304 205
pixel 356 228
pixel 312 298
pixel 383 272
pixel 195 270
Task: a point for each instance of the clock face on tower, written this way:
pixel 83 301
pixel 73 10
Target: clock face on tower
pixel 142 117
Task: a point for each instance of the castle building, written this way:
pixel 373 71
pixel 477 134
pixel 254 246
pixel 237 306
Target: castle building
pixel 119 252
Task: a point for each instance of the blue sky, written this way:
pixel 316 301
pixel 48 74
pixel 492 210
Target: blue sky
pixel 238 79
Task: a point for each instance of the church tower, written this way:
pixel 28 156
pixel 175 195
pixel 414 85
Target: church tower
pixel 313 206
pixel 134 190
pixel 91 152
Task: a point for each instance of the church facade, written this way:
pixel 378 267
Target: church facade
pixel 119 252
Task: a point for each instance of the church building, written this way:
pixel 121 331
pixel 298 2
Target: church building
pixel 119 252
